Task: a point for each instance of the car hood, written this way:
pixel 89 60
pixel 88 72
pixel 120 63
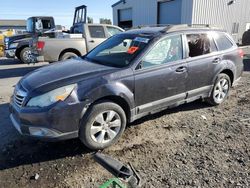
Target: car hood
pixel 19 37
pixel 63 73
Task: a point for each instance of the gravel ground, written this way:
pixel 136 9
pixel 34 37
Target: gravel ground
pixel 194 145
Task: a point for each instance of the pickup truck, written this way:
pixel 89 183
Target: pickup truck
pixel 18 45
pixel 81 39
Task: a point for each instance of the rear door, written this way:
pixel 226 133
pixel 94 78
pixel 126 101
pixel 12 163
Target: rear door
pixel 95 35
pixel 202 61
pixel 160 79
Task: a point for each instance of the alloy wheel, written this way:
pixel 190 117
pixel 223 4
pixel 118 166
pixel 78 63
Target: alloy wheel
pixel 221 90
pixel 105 127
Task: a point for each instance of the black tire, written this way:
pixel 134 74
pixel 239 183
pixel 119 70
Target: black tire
pixel 68 55
pixel 25 55
pixel 90 118
pixel 212 99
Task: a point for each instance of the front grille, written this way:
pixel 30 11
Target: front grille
pixel 19 97
pixel 19 100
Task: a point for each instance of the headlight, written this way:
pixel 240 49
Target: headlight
pixel 51 97
pixel 13 45
pixel 6 39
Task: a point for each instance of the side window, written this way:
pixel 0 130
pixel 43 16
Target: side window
pixel 96 32
pixel 78 29
pixel 167 50
pixel 200 44
pixel 113 31
pixel 223 42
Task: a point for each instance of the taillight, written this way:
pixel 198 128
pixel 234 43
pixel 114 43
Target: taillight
pixel 241 53
pixel 40 45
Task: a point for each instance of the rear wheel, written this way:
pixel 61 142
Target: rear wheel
pixel 68 55
pixel 26 55
pixel 221 90
pixel 102 126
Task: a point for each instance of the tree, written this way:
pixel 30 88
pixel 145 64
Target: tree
pixel 90 20
pixel 105 21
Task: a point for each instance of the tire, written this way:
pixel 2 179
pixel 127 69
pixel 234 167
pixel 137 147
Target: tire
pixel 220 90
pixel 105 132
pixel 26 55
pixel 68 55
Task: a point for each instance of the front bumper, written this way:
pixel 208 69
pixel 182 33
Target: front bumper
pixel 11 53
pixel 60 122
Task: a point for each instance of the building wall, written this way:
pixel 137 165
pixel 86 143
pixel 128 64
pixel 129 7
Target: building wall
pixel 187 10
pixel 143 11
pixel 218 12
pixel 214 12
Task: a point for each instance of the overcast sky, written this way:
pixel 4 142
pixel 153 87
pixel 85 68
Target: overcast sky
pixel 61 10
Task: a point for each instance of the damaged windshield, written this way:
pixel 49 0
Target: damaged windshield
pixel 118 51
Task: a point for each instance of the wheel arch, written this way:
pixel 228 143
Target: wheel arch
pixel 19 49
pixel 72 50
pixel 119 101
pixel 229 73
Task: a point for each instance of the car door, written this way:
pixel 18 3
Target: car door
pixel 202 61
pixel 96 35
pixel 160 79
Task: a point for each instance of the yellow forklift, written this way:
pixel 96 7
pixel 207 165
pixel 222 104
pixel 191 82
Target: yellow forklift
pixel 3 34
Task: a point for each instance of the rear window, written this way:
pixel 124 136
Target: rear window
pixel 222 41
pixel 96 32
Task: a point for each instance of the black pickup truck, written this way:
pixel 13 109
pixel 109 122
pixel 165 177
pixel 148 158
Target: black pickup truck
pixel 18 45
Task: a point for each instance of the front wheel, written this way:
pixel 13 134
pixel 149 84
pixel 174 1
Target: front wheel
pixel 102 126
pixel 220 90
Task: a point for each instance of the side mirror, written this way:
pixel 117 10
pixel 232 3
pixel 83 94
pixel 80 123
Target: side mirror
pixel 139 66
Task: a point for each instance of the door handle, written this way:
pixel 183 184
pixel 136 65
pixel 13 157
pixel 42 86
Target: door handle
pixel 181 69
pixel 92 41
pixel 217 60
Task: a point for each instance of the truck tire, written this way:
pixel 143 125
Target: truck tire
pixel 102 126
pixel 220 90
pixel 26 55
pixel 68 55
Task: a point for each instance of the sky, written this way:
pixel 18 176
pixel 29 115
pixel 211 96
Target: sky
pixel 61 10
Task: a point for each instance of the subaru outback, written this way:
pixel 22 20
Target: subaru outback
pixel 131 75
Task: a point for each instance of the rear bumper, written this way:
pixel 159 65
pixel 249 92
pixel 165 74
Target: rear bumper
pixel 40 59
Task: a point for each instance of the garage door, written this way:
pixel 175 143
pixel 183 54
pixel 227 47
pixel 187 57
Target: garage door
pixel 169 12
pixel 126 14
pixel 125 18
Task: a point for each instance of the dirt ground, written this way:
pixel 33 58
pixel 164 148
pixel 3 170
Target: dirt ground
pixel 194 145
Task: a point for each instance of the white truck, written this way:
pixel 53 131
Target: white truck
pixel 81 38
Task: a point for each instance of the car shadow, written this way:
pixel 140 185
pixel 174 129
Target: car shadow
pixel 17 150
pixel 246 65
pixel 10 61
pixel 26 151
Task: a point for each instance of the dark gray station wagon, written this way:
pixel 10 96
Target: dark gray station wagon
pixel 130 75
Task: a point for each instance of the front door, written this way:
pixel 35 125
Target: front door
pixel 161 77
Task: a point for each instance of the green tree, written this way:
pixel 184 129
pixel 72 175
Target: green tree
pixel 105 21
pixel 90 20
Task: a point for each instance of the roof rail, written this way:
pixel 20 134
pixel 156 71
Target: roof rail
pixel 171 28
pixel 155 25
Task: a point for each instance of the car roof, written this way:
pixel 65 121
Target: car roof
pixel 152 30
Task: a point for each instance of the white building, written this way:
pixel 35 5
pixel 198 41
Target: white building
pixel 232 15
